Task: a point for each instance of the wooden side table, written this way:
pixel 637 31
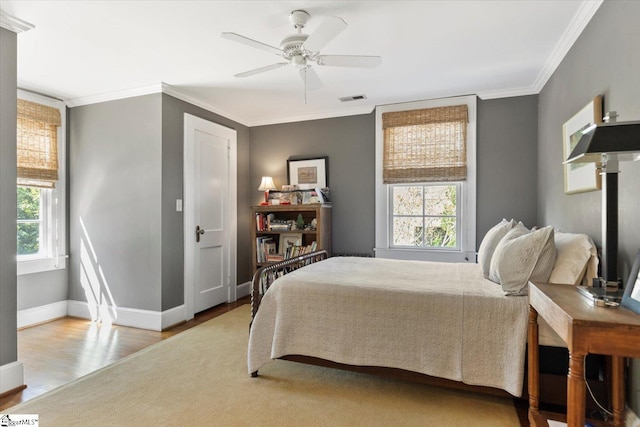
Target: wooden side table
pixel 585 329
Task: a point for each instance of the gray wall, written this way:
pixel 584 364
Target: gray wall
pixel 8 90
pixel 605 60
pixel 507 162
pixel 125 173
pixel 115 179
pixel 173 111
pixel 507 166
pixel 349 142
pixel 507 136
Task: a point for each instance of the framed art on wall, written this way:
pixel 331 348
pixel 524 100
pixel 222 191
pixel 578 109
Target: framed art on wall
pixel 580 177
pixel 308 173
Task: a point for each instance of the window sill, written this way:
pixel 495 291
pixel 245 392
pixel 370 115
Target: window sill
pixel 426 255
pixel 40 265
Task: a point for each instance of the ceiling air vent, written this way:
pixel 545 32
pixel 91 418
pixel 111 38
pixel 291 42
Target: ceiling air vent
pixel 352 98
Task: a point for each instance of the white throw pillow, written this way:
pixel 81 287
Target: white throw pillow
pixel 489 243
pixel 574 251
pixel 523 255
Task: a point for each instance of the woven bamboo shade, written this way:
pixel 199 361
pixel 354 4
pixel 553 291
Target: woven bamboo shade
pixel 427 145
pixel 37 143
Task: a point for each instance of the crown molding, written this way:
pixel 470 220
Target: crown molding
pixel 194 100
pixel 14 24
pixel 587 9
pixel 508 93
pixel 113 96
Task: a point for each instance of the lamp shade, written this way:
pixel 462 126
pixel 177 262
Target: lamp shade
pixel 267 184
pixel 621 140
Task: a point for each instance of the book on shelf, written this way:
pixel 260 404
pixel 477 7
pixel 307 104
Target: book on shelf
pixel 297 250
pixel 263 245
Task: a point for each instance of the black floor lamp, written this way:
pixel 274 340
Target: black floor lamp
pixel 607 144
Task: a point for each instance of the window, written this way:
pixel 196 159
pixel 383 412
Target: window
pixel 40 184
pixel 425 216
pixel 425 180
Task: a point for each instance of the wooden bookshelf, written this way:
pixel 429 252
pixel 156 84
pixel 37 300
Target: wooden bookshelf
pixel 261 230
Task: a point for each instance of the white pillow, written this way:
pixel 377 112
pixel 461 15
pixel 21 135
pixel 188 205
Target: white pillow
pixel 523 255
pixel 489 243
pixel 572 261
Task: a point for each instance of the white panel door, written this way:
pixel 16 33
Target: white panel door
pixel 208 220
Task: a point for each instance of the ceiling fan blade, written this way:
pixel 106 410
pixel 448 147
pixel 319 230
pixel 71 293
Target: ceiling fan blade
pixel 327 31
pixel 253 43
pixel 261 69
pixel 310 78
pixel 357 61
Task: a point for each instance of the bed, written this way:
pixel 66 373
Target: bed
pixel 429 320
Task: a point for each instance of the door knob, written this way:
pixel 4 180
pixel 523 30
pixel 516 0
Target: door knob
pixel 199 231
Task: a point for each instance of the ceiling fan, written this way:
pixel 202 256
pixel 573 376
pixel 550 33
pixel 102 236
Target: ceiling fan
pixel 300 50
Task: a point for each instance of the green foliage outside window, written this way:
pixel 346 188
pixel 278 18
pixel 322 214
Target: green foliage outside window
pixel 425 216
pixel 28 220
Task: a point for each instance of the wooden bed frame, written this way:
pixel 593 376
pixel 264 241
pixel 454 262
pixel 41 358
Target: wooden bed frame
pixel 552 386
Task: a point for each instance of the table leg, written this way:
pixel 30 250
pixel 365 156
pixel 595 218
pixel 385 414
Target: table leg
pixel 532 354
pixel 576 390
pixel 617 395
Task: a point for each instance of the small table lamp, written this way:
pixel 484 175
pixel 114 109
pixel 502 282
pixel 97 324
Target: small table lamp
pixel 608 144
pixel 266 185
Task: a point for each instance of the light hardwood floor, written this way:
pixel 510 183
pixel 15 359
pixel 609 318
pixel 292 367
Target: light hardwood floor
pixel 58 352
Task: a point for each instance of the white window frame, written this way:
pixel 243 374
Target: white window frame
pixel 54 221
pixel 466 251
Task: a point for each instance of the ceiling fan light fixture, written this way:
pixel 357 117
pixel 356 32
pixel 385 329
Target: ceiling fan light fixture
pixel 299 62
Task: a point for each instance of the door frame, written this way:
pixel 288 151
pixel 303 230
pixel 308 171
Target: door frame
pixel 190 122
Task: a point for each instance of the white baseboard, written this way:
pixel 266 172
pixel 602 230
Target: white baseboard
pixel 143 319
pixel 173 316
pixel 243 290
pixel 43 313
pixel 11 376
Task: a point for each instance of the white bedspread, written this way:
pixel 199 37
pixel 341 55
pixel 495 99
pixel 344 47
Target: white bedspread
pixel 440 319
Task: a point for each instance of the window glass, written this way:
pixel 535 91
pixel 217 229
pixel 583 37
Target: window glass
pixel 29 220
pixel 425 215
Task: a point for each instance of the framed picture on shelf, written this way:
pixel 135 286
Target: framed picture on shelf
pixel 308 173
pixel 309 197
pixel 580 177
pixel 631 297
pixel 289 239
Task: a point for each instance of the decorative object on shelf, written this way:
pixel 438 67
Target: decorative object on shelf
pixel 300 222
pixel 266 185
pixel 608 144
pixel 579 178
pixel 308 173
pixel 631 298
pixel 289 239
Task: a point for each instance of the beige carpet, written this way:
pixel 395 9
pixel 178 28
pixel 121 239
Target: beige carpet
pixel 199 378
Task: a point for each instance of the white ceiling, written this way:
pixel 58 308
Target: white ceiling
pixel 87 51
